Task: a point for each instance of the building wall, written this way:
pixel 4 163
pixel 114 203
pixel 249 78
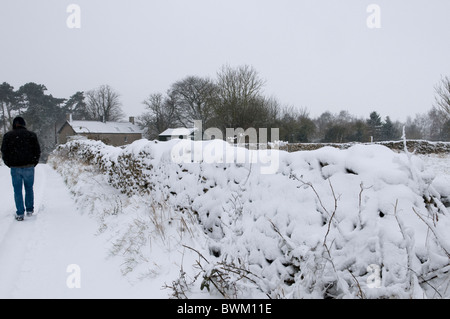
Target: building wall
pixel 117 139
pixel 64 133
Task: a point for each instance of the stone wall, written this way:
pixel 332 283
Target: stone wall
pixel 419 146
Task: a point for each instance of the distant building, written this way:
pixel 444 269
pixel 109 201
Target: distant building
pixel 177 133
pixel 111 133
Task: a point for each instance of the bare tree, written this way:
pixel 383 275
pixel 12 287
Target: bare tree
pixel 443 95
pixel 241 83
pixel 241 102
pixel 194 98
pixel 161 114
pixel 323 122
pixel 295 125
pixel 104 103
pixel 436 120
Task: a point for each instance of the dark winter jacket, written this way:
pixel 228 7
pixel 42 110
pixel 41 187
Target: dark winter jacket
pixel 20 148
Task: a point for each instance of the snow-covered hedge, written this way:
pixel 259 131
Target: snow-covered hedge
pixel 364 222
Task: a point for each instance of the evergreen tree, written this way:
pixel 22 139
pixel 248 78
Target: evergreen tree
pixel 42 113
pixel 374 125
pixel 8 100
pixel 76 106
pixel 388 130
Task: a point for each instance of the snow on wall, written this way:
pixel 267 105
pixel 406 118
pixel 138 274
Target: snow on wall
pixel 364 222
pixel 416 146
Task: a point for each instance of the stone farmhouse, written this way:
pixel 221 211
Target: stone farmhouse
pixel 110 133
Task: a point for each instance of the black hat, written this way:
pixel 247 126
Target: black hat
pixel 19 121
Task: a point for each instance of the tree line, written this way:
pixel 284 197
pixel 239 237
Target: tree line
pixel 235 98
pixel 45 114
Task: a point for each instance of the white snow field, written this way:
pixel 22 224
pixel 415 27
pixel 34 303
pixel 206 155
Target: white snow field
pixel 183 219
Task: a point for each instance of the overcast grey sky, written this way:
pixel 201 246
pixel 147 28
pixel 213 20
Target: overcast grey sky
pixel 316 54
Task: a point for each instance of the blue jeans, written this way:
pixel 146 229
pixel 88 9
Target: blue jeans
pixel 23 177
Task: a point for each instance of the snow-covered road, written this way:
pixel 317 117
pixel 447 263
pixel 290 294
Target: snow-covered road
pixel 47 254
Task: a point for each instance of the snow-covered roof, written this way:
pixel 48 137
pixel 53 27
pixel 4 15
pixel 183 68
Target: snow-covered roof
pixel 178 131
pixel 105 128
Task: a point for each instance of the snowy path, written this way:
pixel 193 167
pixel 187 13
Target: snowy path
pixel 35 253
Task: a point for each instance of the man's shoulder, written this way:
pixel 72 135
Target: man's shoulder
pixel 22 131
pixel 31 133
pixel 8 135
pixel 19 133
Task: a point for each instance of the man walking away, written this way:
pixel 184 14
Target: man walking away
pixel 21 152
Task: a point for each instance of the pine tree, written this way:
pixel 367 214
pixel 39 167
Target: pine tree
pixel 7 102
pixel 42 113
pixel 388 130
pixel 76 106
pixel 374 126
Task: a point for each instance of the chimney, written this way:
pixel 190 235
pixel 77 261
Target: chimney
pixel 131 120
pixel 69 117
